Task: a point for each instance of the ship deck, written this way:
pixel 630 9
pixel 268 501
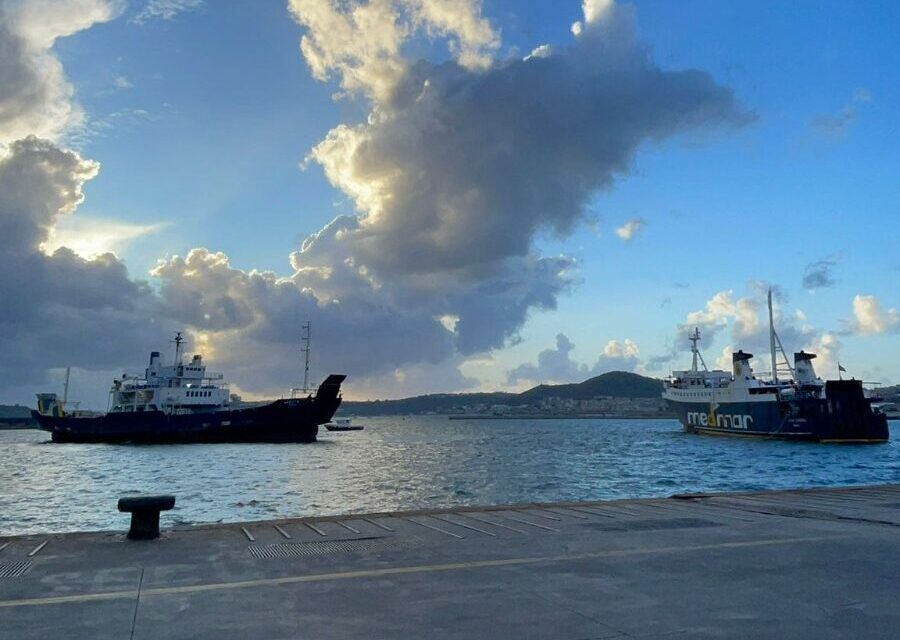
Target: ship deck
pixel 800 564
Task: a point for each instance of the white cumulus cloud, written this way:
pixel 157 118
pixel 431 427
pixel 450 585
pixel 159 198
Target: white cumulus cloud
pixel 870 318
pixel 631 228
pixel 35 96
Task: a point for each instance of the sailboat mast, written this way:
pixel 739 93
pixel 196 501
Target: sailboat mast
pixel 66 387
pixel 772 341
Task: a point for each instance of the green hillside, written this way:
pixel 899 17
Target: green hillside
pixel 616 384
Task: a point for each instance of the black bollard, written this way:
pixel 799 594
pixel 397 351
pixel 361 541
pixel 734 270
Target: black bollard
pixel 144 512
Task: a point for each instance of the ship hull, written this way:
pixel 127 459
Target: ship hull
pixel 282 421
pixel 844 415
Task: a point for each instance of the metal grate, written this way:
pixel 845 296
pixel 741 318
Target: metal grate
pixel 14 569
pixel 653 525
pixel 295 549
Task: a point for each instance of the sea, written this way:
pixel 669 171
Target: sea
pixel 409 463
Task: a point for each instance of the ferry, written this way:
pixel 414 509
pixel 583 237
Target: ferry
pixel 182 403
pixel 793 404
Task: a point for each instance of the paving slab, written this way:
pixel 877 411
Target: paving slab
pixel 820 563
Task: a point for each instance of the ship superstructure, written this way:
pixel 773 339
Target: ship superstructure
pixel 175 388
pixel 793 403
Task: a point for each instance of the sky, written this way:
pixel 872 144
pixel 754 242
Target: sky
pixel 457 195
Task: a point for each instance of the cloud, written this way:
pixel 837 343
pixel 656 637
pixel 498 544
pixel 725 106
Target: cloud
pixel 594 11
pixel 870 318
pixel 121 82
pixel 166 9
pixel 553 365
pixel 91 237
pixel 835 125
pixel 631 228
pixel 543 51
pixel 818 274
pixel 744 321
pixel 250 321
pixel 457 169
pixel 361 42
pixel 556 365
pixel 35 96
pixel 59 309
pixel 719 310
pixel 617 356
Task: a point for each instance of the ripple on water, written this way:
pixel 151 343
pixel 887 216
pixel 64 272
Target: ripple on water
pixel 406 464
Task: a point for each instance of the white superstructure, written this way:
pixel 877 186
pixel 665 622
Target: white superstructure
pixel 173 388
pixel 701 385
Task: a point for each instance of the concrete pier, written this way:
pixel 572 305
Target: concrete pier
pixel 783 564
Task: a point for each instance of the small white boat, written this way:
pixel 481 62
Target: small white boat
pixel 343 424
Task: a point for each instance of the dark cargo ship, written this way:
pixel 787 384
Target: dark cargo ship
pixel 797 406
pixel 181 403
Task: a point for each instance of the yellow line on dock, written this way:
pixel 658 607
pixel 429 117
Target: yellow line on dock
pixel 397 571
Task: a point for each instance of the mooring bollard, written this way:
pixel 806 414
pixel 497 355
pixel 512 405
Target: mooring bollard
pixel 144 512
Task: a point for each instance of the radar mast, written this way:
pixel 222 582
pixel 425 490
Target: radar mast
pixel 694 337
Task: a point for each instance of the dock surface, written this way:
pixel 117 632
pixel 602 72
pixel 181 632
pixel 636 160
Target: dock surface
pixel 821 563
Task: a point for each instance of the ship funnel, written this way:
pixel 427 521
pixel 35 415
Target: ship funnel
pixel 741 365
pixel 805 372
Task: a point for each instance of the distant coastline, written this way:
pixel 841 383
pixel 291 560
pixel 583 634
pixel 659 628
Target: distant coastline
pixel 16 416
pixel 617 394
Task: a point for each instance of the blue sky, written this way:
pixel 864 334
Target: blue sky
pixel 201 122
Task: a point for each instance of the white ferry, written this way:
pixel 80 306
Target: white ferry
pixel 795 404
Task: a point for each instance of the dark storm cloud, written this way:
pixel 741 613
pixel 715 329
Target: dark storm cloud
pixel 58 309
pixel 460 168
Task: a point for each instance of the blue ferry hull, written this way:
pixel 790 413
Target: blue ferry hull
pixel 844 415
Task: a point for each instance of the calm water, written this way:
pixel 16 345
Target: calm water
pixel 401 463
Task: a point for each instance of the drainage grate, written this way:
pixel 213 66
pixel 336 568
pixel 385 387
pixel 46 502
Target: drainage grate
pixel 14 569
pixel 653 525
pixel 294 549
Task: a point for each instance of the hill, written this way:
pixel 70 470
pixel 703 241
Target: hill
pixel 615 384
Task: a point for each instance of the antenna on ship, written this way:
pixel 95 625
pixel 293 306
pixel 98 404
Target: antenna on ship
pixel 695 338
pixel 178 340
pixel 307 335
pixel 66 387
pixel 776 346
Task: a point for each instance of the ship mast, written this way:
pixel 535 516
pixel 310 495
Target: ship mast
pixel 772 341
pixel 66 387
pixel 178 341
pixel 776 346
pixel 695 338
pixel 307 334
